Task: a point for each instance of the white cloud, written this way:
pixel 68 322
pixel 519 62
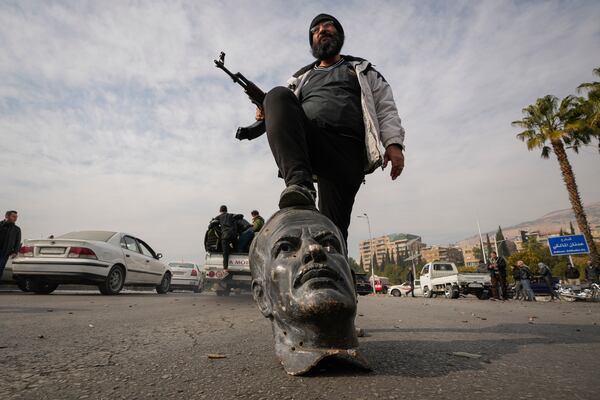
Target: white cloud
pixel 113 115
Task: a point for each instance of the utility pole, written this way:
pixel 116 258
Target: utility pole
pixel 371 251
pixel 481 242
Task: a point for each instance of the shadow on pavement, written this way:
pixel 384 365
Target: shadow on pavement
pixel 434 358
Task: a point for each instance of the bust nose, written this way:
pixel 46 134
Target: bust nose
pixel 315 253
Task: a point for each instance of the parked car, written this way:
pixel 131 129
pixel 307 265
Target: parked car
pixel 186 276
pixel 363 285
pixel 402 290
pixel 108 260
pixel 443 278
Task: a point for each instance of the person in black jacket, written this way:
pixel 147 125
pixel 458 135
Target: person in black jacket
pixel 497 268
pixel 411 281
pixel 10 238
pixel 572 275
pixel 229 231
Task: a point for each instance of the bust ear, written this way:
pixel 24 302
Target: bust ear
pixel 258 292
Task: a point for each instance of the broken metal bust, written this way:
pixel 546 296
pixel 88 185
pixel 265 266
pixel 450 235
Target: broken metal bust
pixel 302 282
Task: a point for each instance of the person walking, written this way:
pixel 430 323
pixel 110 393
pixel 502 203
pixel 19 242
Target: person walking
pixel 410 277
pixel 10 238
pixel 525 274
pixel 572 275
pixel 592 272
pixel 257 221
pixel 336 120
pixel 547 277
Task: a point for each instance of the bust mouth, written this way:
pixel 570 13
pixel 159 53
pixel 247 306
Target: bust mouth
pixel 318 275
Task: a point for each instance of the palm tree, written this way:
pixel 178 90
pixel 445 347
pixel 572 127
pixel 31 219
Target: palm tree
pixel 589 126
pixel 545 125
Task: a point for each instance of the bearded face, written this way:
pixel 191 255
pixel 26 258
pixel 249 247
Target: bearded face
pixel 326 44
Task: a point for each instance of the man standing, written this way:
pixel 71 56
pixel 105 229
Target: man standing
pixel 229 229
pixel 525 274
pixel 497 268
pixel 547 277
pixel 257 221
pixel 332 122
pixel 10 238
pixel 591 272
pixel 572 275
pixel 411 281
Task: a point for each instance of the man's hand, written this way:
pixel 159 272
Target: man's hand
pixel 394 154
pixel 260 114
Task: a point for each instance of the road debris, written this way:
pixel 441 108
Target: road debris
pixel 216 356
pixel 465 355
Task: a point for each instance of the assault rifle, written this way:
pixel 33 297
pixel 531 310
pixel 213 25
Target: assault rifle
pixel 254 93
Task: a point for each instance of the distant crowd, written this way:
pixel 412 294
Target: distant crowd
pixel 522 276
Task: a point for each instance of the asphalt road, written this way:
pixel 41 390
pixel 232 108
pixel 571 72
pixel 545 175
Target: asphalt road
pixel 141 346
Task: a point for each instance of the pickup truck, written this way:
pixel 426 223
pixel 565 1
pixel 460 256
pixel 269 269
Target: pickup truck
pixel 443 278
pixel 237 275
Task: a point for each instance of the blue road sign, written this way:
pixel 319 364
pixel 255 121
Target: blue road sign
pixel 566 245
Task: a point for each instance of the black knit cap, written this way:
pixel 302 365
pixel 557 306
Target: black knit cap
pixel 324 17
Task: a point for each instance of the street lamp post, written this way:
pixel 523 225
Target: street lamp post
pixel 370 250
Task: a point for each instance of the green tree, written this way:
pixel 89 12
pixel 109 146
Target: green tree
pixel 477 252
pixel 502 245
pixel 589 126
pixel 354 265
pixel 545 125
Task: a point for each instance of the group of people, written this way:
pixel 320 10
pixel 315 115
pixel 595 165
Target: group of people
pixel 10 238
pixel 233 232
pixel 522 276
pixel 592 274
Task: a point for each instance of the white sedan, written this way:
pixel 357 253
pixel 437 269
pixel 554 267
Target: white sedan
pixel 187 276
pixel 108 260
pixel 401 290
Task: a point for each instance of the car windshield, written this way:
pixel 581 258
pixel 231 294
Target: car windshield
pixel 99 236
pixel 181 265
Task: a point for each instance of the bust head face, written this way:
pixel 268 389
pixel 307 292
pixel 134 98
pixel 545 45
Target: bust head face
pixel 299 268
pixel 301 280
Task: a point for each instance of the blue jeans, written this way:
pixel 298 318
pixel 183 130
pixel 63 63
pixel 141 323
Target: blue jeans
pixel 244 240
pixel 529 295
pixel 3 261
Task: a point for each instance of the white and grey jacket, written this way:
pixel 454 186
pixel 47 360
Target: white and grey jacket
pixel 382 122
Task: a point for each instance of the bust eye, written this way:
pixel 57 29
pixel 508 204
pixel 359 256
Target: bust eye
pixel 286 247
pixel 330 245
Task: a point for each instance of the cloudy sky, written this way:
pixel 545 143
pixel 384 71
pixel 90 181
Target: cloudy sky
pixel 113 116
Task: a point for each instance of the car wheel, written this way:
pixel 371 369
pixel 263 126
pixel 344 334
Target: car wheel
pixel 426 292
pixel 454 293
pixel 114 281
pixel 25 285
pixel 165 283
pixel 396 293
pixel 43 287
pixel 197 289
pixel 483 295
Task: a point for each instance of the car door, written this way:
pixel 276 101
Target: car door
pixel 153 267
pixel 134 260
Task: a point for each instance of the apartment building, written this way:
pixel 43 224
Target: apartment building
pixel 395 245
